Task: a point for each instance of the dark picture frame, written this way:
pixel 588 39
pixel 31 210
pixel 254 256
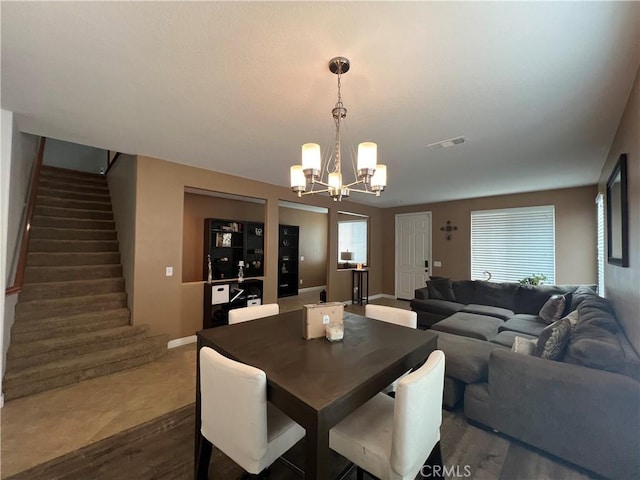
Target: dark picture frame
pixel 618 215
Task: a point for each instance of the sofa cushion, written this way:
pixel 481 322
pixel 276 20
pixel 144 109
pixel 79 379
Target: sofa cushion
pixel 469 325
pixel 502 295
pixel 531 298
pixel 441 289
pixel 501 313
pixel 441 307
pixel 467 358
pixel 523 345
pixel 506 338
pixel 555 308
pixel 582 293
pixel 597 311
pixel 553 340
pixel 464 290
pixel 524 323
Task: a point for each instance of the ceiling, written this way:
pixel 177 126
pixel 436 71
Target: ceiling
pixel 537 89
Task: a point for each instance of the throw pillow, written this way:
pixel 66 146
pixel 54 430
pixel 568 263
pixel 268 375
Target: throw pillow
pixel 441 289
pixel 523 345
pixel 553 340
pixel 554 308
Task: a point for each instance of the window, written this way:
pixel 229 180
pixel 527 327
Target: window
pixel 513 243
pixel 352 242
pixel 601 251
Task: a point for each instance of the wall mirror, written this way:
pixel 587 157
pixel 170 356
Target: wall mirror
pixel 617 215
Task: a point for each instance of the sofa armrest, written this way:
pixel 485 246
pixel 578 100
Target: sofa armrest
pixel 421 293
pixel 587 416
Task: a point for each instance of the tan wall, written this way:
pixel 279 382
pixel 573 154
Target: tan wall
pixel 122 187
pixel 622 285
pixel 196 209
pixel 576 226
pixel 314 233
pixel 166 303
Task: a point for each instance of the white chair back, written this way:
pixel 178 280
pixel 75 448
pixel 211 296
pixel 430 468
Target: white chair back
pixel 417 415
pixel 395 315
pixel 238 315
pixel 234 407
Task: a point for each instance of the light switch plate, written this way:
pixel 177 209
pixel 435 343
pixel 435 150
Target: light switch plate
pixel 302 258
pixel 437 264
pixel 169 272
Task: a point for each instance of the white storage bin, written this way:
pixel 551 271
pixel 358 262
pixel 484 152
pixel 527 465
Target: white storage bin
pixel 254 301
pixel 219 294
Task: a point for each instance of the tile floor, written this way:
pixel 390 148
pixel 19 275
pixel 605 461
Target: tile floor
pixel 46 425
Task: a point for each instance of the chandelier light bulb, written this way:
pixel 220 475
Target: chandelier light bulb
pixel 298 180
pixel 311 159
pixel 379 179
pixel 367 158
pixel 335 181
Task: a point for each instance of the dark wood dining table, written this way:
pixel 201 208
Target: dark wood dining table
pixel 317 382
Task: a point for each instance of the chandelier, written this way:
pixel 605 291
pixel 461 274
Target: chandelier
pixel 369 177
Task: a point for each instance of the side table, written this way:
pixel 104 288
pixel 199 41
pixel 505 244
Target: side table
pixel 359 279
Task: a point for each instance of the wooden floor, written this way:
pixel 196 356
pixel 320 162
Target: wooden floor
pixel 162 449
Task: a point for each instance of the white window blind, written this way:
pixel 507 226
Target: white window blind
pixel 601 251
pixel 513 243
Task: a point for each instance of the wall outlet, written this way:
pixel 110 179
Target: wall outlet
pixel 302 258
pixel 436 263
pixel 168 271
pixel 300 281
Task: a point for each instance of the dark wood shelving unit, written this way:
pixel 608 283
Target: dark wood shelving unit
pixel 288 244
pixel 227 242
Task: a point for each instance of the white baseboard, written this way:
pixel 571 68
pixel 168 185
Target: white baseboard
pixel 178 342
pixel 312 289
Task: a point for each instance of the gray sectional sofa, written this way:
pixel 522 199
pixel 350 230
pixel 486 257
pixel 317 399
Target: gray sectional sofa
pixel 583 407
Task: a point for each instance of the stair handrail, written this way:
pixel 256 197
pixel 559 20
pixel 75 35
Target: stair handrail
pixel 18 280
pixel 111 161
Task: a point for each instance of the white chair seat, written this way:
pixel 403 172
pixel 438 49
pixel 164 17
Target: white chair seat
pixel 365 437
pixel 392 439
pixel 282 433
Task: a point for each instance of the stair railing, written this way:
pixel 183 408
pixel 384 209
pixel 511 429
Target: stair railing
pixel 111 159
pixel 31 206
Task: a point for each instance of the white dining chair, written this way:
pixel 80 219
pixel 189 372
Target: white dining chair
pixel 399 316
pixel 237 315
pixel 393 438
pixel 237 418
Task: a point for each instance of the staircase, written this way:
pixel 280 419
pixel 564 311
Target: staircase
pixel 71 321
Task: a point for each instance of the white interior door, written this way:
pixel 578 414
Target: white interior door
pixel 413 252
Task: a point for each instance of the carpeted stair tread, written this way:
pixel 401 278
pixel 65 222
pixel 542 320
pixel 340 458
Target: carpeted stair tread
pixel 83 367
pixel 78 323
pixel 45 351
pixel 70 194
pixel 66 212
pixel 72 258
pixel 74 272
pixel 70 305
pixel 76 223
pixel 71 288
pixel 69 234
pixel 76 340
pixel 72 245
pixel 71 203
pixel 72 175
pixel 59 183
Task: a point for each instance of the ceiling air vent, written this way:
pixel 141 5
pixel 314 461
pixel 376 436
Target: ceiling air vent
pixel 451 142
